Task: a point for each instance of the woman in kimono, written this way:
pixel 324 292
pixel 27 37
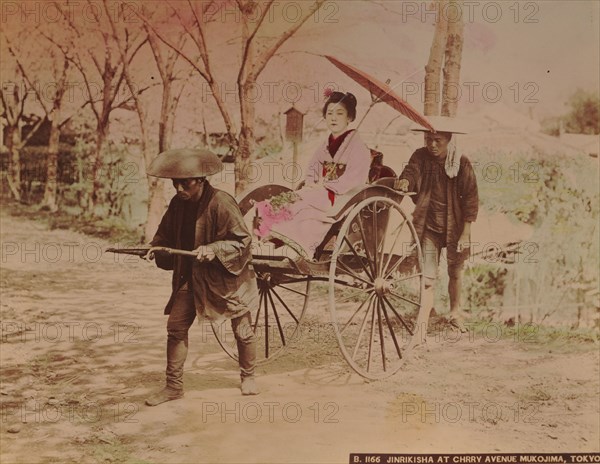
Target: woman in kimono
pixel 337 170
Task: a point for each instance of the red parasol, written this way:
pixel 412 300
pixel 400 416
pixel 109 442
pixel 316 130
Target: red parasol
pixel 382 91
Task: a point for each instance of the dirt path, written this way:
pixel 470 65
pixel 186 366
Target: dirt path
pixel 83 344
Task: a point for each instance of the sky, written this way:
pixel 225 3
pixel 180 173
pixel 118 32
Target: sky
pixel 535 53
pixel 527 57
pixel 524 56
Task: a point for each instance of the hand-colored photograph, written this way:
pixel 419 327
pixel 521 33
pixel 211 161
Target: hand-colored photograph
pixel 311 231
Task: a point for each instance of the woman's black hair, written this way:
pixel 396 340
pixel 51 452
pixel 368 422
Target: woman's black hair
pixel 347 100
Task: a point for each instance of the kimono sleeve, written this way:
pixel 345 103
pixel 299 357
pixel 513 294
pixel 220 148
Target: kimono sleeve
pixel 232 243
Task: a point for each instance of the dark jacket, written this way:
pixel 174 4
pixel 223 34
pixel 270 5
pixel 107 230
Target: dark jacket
pixel 463 199
pixel 225 286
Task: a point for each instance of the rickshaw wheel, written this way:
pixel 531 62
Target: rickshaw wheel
pixel 281 304
pixel 376 288
pixel 276 321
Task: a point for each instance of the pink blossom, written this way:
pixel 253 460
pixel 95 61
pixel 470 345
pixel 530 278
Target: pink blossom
pixel 269 217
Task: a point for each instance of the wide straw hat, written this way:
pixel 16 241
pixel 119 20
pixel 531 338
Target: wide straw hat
pixel 444 124
pixel 185 163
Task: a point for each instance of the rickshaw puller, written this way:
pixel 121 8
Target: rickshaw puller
pixel 446 203
pixel 220 282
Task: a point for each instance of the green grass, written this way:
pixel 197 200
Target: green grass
pixel 534 335
pixel 114 229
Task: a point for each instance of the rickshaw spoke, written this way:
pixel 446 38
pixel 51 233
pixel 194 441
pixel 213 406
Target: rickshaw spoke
pixel 355 313
pixel 285 306
pixel 391 329
pixel 266 327
pixel 381 339
pixel 362 234
pixel 371 338
pixel 291 290
pixel 368 271
pixel 380 267
pixel 418 305
pixel 261 295
pixel 400 318
pixel 384 286
pixel 362 329
pixel 349 297
pixel 276 318
pixel 400 261
pixel 400 227
pixel 351 273
pixel 375 262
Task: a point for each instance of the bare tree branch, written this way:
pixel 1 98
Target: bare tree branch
pixel 202 42
pixel 25 74
pixel 246 48
pixel 173 47
pixel 14 118
pixel 9 112
pixel 125 104
pixel 199 43
pixel 90 101
pixel 266 56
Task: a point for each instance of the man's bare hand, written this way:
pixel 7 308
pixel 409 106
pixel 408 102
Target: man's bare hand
pixel 401 184
pixel 464 243
pixel 205 253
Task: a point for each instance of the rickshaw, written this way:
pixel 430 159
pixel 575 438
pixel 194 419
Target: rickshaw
pixel 368 266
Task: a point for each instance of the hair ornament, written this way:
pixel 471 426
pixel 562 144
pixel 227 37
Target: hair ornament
pixel 327 92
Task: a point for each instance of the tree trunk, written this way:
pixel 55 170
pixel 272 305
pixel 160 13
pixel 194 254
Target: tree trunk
pixel 229 126
pixel 156 201
pixel 246 81
pixel 434 65
pixel 96 172
pixel 170 122
pixel 246 142
pixel 13 143
pixel 156 198
pixel 454 45
pixel 49 200
pixel 156 207
pixel 165 124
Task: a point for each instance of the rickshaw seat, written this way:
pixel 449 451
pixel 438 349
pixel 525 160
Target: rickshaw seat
pixel 378 170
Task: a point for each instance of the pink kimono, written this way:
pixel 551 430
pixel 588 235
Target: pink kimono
pixel 303 223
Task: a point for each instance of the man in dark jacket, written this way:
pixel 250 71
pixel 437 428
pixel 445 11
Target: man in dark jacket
pixel 218 282
pixel 446 203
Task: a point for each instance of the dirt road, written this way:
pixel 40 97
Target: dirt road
pixel 83 344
